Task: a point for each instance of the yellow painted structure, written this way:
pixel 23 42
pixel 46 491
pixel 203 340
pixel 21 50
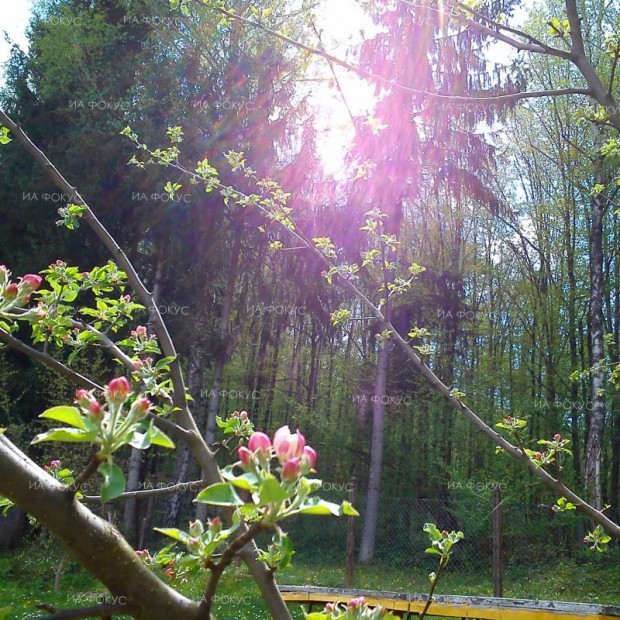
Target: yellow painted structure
pixel 444 606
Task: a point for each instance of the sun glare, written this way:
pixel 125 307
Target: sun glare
pixel 343 26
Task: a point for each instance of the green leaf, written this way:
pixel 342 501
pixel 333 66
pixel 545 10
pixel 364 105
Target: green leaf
pixel 172 532
pixel 159 438
pixel 316 506
pixel 4 612
pixel 67 415
pixel 219 494
pixel 71 435
pixel 247 481
pixel 348 510
pixel 140 441
pixel 432 550
pixel 4 135
pixel 113 481
pixel 271 491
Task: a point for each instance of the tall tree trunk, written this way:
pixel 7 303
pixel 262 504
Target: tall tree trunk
pixel 597 413
pixel 131 526
pixel 373 495
pixel 221 356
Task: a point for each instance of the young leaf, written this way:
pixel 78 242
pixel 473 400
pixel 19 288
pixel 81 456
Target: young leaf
pixel 271 491
pixel 219 494
pixel 159 438
pixel 67 415
pixel 172 532
pixel 72 435
pixel 113 481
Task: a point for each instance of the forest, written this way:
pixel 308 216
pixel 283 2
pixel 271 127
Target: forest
pixel 370 246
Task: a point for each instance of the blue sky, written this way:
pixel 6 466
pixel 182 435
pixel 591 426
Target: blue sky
pixel 15 16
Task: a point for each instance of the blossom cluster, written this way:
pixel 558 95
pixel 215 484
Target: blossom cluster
pixel 295 457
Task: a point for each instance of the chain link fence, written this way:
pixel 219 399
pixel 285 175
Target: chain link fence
pixel 537 535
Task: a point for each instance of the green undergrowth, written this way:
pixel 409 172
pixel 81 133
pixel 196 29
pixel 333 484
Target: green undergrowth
pixel 27 577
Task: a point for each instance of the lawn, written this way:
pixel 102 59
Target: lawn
pixel 27 577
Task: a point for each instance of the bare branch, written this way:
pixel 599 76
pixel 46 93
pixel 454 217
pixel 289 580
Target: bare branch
pixel 48 360
pixel 494 29
pixel 466 99
pixel 179 487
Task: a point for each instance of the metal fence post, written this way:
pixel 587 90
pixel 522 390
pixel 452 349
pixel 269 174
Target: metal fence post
pixel 498 560
pixel 349 580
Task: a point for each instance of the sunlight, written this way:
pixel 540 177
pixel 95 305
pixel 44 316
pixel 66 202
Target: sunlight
pixel 343 25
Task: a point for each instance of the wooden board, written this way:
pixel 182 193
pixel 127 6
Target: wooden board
pixel 484 608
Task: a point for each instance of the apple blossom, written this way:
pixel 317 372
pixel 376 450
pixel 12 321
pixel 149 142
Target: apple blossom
pixel 291 469
pixel 118 389
pixel 245 456
pixel 259 442
pixel 31 282
pixel 288 445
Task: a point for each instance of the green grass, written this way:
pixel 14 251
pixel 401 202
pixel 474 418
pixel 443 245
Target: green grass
pixel 27 577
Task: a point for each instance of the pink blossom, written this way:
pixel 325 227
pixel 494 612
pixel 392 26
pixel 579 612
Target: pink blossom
pixel 94 411
pixel 259 442
pixel 245 456
pixel 11 291
pixel 308 457
pixel 291 469
pixel 288 445
pixel 84 398
pixel 31 282
pixel 360 601
pixel 118 389
pixel 557 437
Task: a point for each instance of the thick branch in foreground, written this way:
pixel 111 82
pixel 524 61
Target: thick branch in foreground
pixel 93 542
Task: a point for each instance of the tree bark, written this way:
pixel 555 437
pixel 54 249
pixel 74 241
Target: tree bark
pixel 597 413
pixel 373 495
pixel 93 542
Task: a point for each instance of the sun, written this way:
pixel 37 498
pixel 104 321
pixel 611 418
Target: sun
pixel 339 94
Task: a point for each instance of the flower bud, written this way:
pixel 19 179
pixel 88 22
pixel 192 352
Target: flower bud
pixel 354 603
pixel 193 545
pixel 94 411
pixel 308 460
pixel 140 407
pixel 84 398
pixel 291 469
pixel 196 528
pixel 11 291
pixel 557 437
pixel 31 282
pixel 139 332
pixel 118 390
pixel 538 455
pixel 215 525
pixel 245 456
pixel 259 442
